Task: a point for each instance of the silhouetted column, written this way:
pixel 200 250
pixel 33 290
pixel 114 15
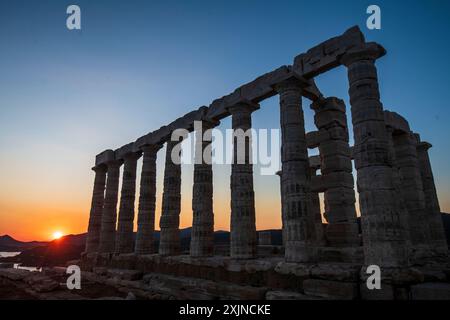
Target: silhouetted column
pixel 411 189
pixel 336 169
pixel 147 201
pixel 433 210
pixel 295 175
pixel 169 243
pixel 383 236
pixel 109 216
pixel 125 241
pixel 243 226
pixel 95 217
pixel 202 236
pixel 396 180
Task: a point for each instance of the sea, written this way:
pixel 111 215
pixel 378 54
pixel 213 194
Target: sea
pixel 17 265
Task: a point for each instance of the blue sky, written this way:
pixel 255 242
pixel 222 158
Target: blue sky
pixel 136 65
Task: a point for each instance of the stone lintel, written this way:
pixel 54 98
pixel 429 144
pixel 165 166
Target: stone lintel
pixel 326 55
pixel 164 133
pixel 125 151
pixel 104 157
pixel 243 104
pixel 260 89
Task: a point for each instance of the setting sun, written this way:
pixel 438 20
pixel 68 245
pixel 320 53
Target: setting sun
pixel 57 234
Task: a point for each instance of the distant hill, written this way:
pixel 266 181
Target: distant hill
pixel 9 244
pixel 53 253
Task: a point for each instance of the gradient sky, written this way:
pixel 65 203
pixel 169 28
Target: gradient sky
pixel 136 65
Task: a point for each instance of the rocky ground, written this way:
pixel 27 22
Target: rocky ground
pixel 50 284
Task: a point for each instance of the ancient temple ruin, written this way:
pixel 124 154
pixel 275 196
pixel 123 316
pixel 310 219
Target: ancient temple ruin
pixel 401 223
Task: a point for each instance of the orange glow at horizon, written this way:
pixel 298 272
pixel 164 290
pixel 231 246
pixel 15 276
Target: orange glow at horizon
pixel 57 235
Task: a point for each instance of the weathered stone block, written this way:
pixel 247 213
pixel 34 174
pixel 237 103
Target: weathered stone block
pixel 336 271
pixel 330 289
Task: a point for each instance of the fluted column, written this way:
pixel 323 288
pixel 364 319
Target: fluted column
pixel 383 236
pixel 396 180
pixel 95 217
pixel 411 189
pixel 169 243
pixel 109 216
pixel 295 175
pixel 125 241
pixel 243 225
pixel 438 241
pixel 147 201
pixel 202 235
pixel 336 170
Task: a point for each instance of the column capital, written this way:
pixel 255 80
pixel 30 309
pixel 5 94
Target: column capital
pixel 100 168
pixel 243 106
pixel 114 163
pixel 328 104
pixel 367 51
pixel 132 156
pixel 424 146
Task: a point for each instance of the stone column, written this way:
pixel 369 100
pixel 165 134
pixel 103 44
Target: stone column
pixel 147 201
pixel 411 190
pixel 243 228
pixel 383 236
pixel 295 175
pixel 169 243
pixel 336 169
pixel 438 240
pixel 401 206
pixel 95 217
pixel 202 236
pixel 109 216
pixel 125 241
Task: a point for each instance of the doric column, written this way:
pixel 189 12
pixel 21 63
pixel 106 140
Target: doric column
pixel 169 243
pixel 202 235
pixel 336 170
pixel 383 236
pixel 243 228
pixel 438 241
pixel 411 190
pixel 125 241
pixel 295 175
pixel 147 201
pixel 396 180
pixel 95 217
pixel 109 216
